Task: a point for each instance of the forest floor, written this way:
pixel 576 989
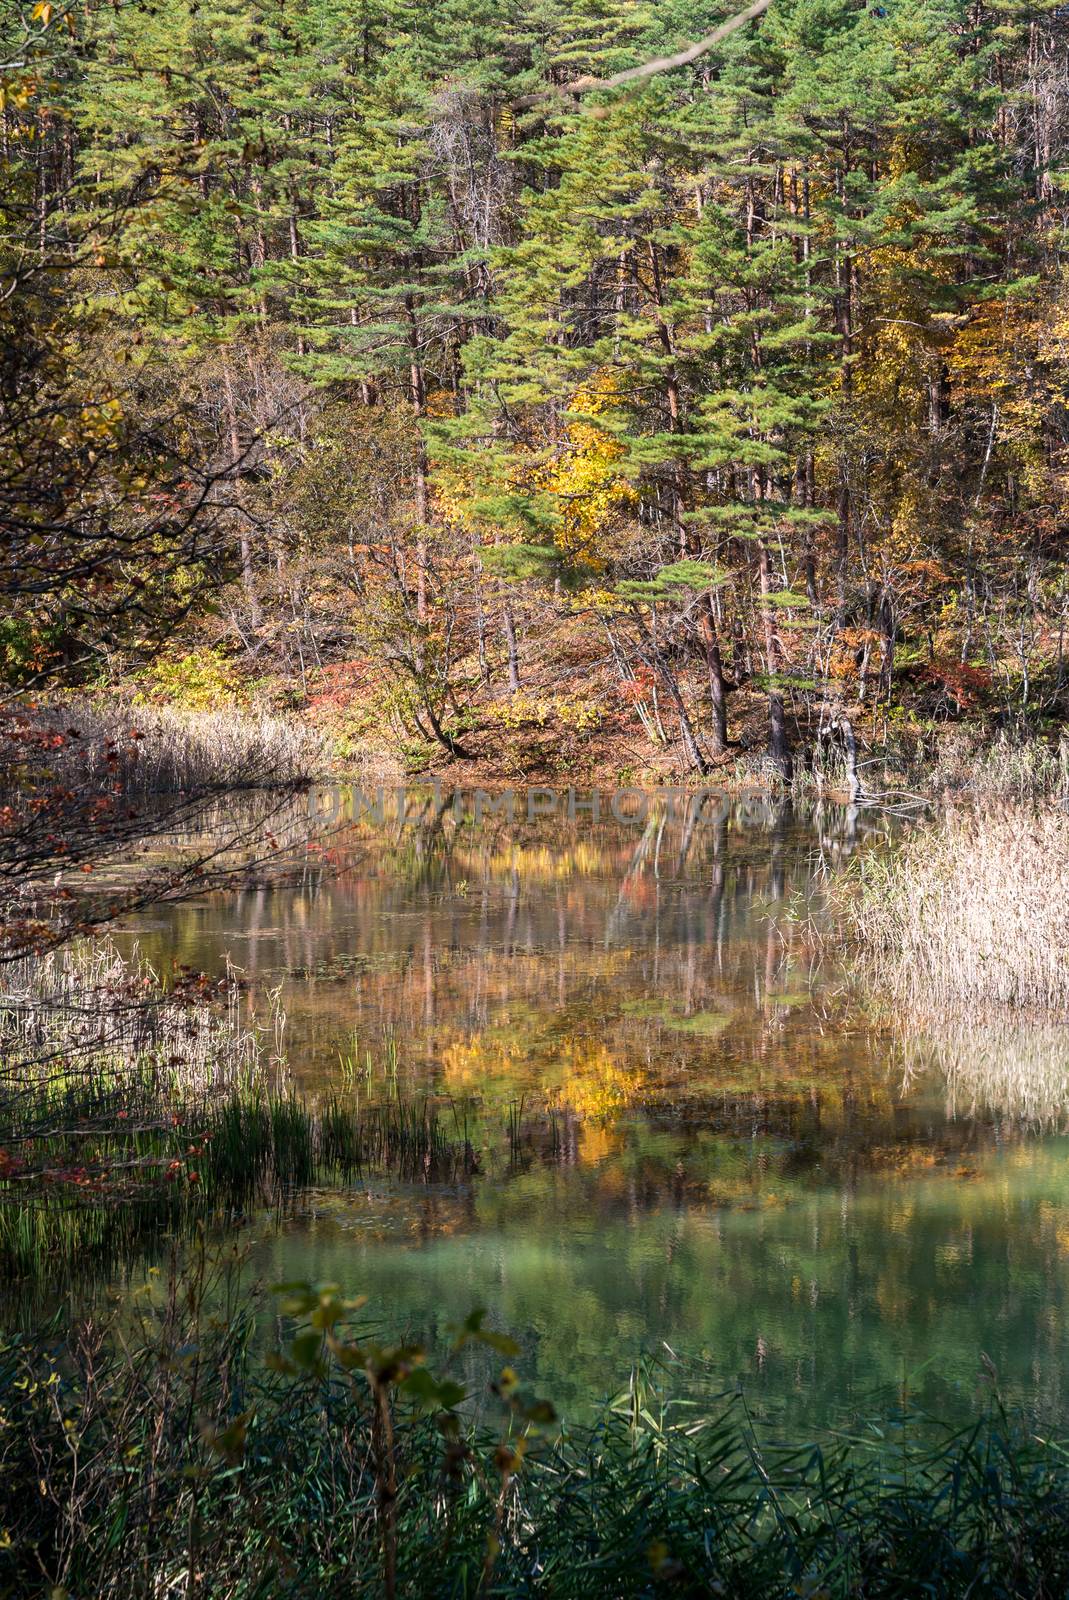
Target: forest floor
pixel 579 717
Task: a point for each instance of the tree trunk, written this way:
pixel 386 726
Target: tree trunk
pixel 718 727
pixel 248 578
pixel 509 624
pixel 779 744
pixel 418 395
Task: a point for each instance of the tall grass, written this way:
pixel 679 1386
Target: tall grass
pixel 108 1082
pixel 163 1456
pixel 84 1193
pixel 161 750
pixel 128 1108
pixel 1004 770
pixel 968 910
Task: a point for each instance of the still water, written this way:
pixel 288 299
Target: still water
pixel 752 1171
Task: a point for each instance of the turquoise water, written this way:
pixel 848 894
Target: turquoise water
pixel 755 1174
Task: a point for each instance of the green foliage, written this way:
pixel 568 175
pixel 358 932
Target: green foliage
pixel 201 680
pixel 772 342
pixel 346 1461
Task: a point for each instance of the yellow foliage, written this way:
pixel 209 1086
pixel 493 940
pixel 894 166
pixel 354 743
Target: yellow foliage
pixel 586 490
pixel 586 481
pixel 606 602
pixel 898 361
pixel 989 354
pixel 579 1072
pixel 202 680
pixel 1011 357
pixel 568 711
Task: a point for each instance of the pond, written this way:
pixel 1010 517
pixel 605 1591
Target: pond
pixel 747 1169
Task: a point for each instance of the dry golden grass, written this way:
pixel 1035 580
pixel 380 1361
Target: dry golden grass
pixel 971 909
pixel 159 750
pixel 1002 771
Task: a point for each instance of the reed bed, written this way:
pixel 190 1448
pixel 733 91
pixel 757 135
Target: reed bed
pixel 281 1144
pixel 148 750
pixel 969 910
pixel 167 1456
pixel 129 1109
pixel 108 1082
pixel 1002 771
pixel 86 1193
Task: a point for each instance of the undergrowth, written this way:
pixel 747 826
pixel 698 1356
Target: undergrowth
pixel 163 1454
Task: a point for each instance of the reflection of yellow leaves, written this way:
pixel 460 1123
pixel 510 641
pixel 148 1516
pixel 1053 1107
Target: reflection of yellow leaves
pixel 543 864
pixel 597 1143
pixel 468 1063
pixel 597 1084
pixel 576 1070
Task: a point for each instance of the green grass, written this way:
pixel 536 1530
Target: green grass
pixel 85 1190
pixel 128 1462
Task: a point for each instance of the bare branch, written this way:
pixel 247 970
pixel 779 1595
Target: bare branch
pixel 649 69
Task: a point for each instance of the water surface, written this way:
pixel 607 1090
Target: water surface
pixel 742 1167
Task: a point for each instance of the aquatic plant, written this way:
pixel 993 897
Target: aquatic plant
pixel 162 1453
pixel 967 910
pixel 1004 770
pixel 108 1090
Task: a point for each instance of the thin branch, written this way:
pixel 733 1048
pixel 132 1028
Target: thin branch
pixel 648 69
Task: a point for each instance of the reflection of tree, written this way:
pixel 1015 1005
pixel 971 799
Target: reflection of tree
pixel 725 1161
pixel 580 1073
pixel 822 1299
pixel 595 967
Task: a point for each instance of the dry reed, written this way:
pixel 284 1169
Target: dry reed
pixel 1000 771
pixel 160 750
pixel 969 910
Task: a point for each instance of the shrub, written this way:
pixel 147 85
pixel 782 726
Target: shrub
pixel 202 680
pixel 163 1454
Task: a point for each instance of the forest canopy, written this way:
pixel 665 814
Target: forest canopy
pixel 350 354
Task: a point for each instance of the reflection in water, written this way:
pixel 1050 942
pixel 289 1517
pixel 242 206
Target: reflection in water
pixel 1000 1064
pixel 731 1163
